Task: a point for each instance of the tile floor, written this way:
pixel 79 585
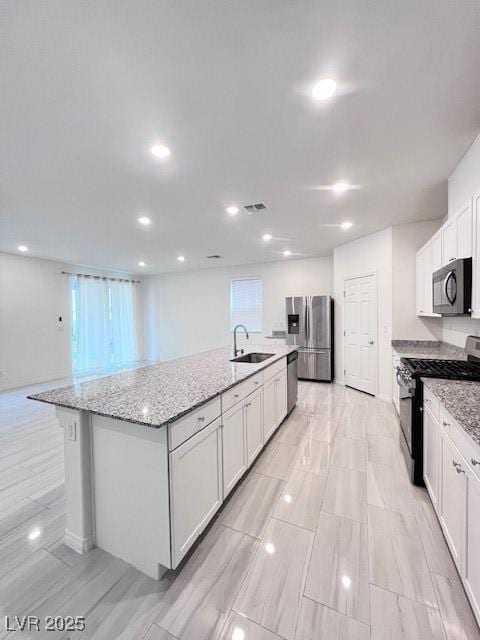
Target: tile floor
pixel 325 538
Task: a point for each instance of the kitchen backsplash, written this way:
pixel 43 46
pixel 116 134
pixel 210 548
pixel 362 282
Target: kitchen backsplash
pixel 456 330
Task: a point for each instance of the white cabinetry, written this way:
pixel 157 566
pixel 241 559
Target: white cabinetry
pixel 452 498
pixel 234 447
pixel 437 256
pixel 424 270
pixel 395 387
pixel 431 455
pixel 274 402
pixel 472 552
pixel 195 487
pixel 451 470
pixel 457 235
pixel 476 256
pixel 254 425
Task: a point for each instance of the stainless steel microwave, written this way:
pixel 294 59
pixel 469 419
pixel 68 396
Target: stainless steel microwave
pixel 452 288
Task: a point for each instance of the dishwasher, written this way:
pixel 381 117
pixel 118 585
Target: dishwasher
pixel 292 380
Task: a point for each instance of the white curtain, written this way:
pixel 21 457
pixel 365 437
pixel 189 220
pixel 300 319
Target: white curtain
pixel 123 322
pixel 92 324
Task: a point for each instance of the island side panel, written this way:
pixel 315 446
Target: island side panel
pixel 79 528
pixel 131 493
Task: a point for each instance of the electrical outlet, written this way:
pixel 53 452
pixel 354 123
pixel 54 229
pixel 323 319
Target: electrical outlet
pixel 72 431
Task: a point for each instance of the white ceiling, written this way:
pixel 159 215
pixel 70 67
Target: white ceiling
pixel 88 87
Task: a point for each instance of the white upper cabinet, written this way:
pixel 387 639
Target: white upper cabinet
pixel 424 270
pixel 476 256
pixel 457 235
pixel 437 257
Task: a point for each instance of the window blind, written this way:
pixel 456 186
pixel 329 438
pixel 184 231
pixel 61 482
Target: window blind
pixel 246 303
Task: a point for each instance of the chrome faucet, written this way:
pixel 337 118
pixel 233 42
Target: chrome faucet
pixel 235 350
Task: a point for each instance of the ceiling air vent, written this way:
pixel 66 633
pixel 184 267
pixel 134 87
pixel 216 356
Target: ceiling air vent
pixel 215 256
pixel 256 207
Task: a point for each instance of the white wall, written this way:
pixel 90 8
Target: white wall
pixel 373 253
pixel 462 184
pixel 34 346
pixel 406 241
pixel 190 312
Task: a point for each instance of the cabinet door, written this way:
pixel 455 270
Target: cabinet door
pixel 453 499
pixel 436 243
pixel 472 555
pixel 431 455
pixel 281 397
pixel 269 409
pixel 420 283
pixel 449 241
pixel 234 449
pixel 464 231
pixel 195 487
pixel 395 387
pixel 476 257
pixel 427 280
pixel 254 424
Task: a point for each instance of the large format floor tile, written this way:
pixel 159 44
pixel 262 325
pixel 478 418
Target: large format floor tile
pixel 349 454
pixel 314 456
pixel 250 507
pixel 239 627
pixel 197 603
pixel 338 571
pixel 397 560
pixel 458 619
pixel 317 622
pixel 272 592
pixel 398 618
pixel 301 500
pixel 389 487
pixel 382 450
pixel 277 460
pixel 346 494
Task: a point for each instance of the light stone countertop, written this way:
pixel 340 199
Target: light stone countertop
pixel 156 394
pixel 428 349
pixel 462 401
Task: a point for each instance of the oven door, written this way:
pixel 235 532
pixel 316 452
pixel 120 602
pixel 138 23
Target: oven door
pixel 406 411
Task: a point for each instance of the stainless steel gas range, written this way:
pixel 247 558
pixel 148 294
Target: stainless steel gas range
pixel 409 375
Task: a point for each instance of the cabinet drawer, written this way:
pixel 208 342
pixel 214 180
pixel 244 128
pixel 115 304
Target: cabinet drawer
pixel 431 401
pixel 186 427
pixel 240 391
pixel 274 369
pixel 468 449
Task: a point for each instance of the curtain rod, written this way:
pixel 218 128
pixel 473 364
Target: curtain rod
pixel 88 275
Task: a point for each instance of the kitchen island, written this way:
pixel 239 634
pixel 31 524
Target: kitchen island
pixel 152 453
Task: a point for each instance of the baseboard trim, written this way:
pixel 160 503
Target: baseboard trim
pixel 80 545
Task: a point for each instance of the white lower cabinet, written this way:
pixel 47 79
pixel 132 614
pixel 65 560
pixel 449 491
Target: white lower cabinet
pixel 395 387
pixel 281 397
pixel 453 498
pixel 254 425
pixel 472 551
pixel 234 447
pixel 431 455
pixel 269 410
pixel 450 462
pixel 195 487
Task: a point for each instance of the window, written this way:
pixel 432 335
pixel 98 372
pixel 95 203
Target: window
pixel 104 332
pixel 246 303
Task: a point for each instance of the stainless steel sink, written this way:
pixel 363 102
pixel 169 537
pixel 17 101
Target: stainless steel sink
pixel 254 358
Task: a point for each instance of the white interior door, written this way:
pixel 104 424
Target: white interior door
pixel 361 333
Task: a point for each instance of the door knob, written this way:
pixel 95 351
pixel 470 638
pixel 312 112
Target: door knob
pixel 371 342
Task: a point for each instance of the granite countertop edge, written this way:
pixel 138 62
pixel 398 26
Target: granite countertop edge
pixel 176 415
pixel 461 398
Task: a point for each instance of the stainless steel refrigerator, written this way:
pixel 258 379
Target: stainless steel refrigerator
pixel 310 327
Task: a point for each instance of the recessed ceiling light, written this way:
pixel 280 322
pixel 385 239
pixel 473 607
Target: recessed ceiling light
pixel 324 89
pixel 160 151
pixel 233 210
pixel 346 225
pixel 266 237
pixel 287 252
pixel 181 258
pixel 141 263
pixel 22 248
pixel 144 220
pixel 340 187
